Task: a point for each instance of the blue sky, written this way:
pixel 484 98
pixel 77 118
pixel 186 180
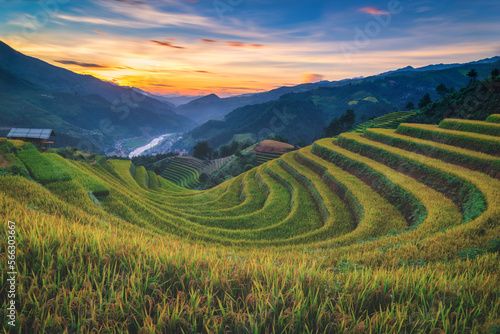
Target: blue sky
pixel 240 46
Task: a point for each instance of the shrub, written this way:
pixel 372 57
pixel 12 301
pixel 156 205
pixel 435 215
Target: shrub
pixel 247 168
pixel 8 147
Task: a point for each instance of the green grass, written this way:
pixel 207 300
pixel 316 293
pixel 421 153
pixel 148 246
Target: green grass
pixel 88 182
pixel 41 168
pixel 153 184
pixel 141 177
pixel 495 118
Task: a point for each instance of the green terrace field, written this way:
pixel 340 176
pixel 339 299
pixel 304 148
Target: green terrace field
pixel 185 171
pixel 388 121
pixel 268 150
pixel 263 157
pixel 385 231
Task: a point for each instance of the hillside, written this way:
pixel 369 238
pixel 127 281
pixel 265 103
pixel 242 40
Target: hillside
pixel 37 94
pixel 476 101
pixel 209 108
pixel 389 231
pixel 369 98
pixel 284 117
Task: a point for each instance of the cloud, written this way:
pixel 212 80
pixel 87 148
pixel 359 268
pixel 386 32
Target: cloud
pixel 72 62
pixel 99 32
pixel 170 45
pixel 373 11
pixel 132 2
pixel 231 87
pixel 311 78
pixel 160 85
pixel 242 45
pixel 205 72
pixel 233 44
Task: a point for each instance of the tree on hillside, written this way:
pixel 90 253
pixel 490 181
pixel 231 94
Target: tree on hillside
pixel 202 150
pixel 277 137
pixel 339 125
pixel 472 74
pixel 442 90
pixel 424 101
pixel 301 144
pixel 410 106
pixel 231 148
pixel 234 146
pixel 348 118
pixel 225 151
pixel 495 73
pixel 203 177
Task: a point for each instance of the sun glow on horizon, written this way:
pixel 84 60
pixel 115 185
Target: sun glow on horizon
pixel 185 48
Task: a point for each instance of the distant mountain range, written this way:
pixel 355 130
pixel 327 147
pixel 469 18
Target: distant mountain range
pixel 370 97
pixel 211 107
pixel 81 108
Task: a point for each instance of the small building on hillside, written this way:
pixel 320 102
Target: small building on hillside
pixel 35 136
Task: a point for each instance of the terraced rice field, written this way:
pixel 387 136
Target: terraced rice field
pixel 388 121
pixel 185 171
pixel 391 231
pixel 263 157
pixel 215 165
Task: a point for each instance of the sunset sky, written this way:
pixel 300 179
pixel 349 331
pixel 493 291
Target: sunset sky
pixel 230 47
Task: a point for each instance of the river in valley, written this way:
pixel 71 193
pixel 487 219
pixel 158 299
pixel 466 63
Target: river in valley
pixel 138 151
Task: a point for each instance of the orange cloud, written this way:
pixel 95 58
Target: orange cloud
pixel 99 32
pixel 373 11
pixel 311 77
pixel 233 44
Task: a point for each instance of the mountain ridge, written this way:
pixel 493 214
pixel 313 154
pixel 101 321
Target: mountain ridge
pixel 369 97
pixel 75 105
pixel 217 109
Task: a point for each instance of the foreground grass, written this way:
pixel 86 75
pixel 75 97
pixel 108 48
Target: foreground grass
pixel 98 277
